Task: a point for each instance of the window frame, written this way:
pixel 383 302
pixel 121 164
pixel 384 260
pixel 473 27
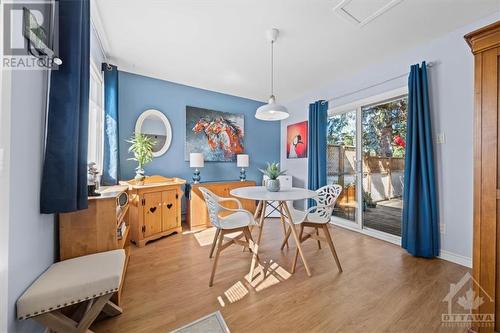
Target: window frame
pixel 97 75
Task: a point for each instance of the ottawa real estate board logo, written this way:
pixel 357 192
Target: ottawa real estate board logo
pixel 466 301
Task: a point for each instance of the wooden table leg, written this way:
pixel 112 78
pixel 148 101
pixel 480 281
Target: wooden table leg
pixel 282 218
pixel 296 237
pixel 261 221
pixel 257 211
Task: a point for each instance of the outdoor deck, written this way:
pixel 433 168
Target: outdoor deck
pixel 386 217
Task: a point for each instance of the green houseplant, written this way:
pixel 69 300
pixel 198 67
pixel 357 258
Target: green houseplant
pixel 142 148
pixel 273 172
pixel 368 201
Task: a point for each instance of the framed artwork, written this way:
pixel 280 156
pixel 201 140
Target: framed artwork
pixel 296 140
pixel 218 135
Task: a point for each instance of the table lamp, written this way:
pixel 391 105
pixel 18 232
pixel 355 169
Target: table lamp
pixel 196 161
pixel 242 161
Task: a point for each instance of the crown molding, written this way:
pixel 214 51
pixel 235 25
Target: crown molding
pixel 98 27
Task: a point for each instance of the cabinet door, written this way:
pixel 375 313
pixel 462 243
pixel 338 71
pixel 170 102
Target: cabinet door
pixel 486 256
pixel 152 213
pixel 169 210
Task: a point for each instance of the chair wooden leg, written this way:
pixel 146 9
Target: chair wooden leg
pixel 332 247
pixel 254 249
pixel 317 234
pixel 217 232
pixel 217 253
pixel 297 249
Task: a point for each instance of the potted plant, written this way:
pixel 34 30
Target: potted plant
pixel 142 148
pixel 368 201
pixel 272 172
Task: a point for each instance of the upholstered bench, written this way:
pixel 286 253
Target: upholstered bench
pixel 90 280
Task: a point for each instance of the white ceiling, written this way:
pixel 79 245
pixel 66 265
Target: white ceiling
pixel 220 45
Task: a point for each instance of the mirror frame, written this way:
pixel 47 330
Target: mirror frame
pixel 166 123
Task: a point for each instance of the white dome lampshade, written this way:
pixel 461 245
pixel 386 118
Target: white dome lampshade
pixel 271 111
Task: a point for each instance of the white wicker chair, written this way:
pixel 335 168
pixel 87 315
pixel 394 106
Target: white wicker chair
pixel 238 221
pixel 317 217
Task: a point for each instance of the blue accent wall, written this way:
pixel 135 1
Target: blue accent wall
pixel 138 93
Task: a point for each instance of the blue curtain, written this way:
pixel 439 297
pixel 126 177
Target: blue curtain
pixel 64 182
pixel 318 117
pixel 110 173
pixel 420 226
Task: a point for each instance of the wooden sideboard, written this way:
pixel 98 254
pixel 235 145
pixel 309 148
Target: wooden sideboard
pixel 95 229
pixel 197 215
pixel 485 45
pixel 155 208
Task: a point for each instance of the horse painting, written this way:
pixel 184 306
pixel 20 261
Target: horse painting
pixel 218 135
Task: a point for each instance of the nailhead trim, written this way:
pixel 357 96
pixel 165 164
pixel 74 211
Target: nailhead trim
pixel 29 315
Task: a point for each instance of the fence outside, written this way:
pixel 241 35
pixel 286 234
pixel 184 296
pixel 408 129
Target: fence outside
pixel 382 176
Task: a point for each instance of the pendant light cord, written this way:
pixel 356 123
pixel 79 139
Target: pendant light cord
pixel 272 68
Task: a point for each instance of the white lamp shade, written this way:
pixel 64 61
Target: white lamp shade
pixel 196 160
pixel 272 111
pixel 242 161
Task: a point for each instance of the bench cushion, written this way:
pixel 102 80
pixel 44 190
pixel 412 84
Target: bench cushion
pixel 72 281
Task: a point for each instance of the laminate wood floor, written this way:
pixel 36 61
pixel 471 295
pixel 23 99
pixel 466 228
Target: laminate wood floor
pixel 382 288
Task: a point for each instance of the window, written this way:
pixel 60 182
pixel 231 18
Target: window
pixel 96 117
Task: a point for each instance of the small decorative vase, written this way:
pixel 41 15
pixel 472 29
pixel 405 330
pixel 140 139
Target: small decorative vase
pixel 273 185
pixel 243 175
pixel 196 176
pixel 139 176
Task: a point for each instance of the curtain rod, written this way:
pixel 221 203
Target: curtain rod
pixel 429 65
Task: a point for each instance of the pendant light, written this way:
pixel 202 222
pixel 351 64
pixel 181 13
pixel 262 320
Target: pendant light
pixel 272 110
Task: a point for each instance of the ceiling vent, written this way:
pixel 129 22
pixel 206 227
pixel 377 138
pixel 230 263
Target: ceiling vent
pixel 360 12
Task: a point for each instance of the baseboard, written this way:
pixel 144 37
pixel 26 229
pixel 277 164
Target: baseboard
pixel 445 255
pixel 456 258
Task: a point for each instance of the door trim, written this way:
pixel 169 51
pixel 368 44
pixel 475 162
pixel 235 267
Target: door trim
pixel 368 101
pixel 357 106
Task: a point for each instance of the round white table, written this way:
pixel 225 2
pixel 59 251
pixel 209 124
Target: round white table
pixel 265 199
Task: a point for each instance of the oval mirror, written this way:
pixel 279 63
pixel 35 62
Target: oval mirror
pixel 155 124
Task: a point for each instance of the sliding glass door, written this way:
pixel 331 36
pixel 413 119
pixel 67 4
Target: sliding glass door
pixel 366 144
pixel 384 137
pixel 342 157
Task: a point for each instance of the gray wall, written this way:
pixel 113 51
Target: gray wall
pixel 31 235
pixel 451 93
